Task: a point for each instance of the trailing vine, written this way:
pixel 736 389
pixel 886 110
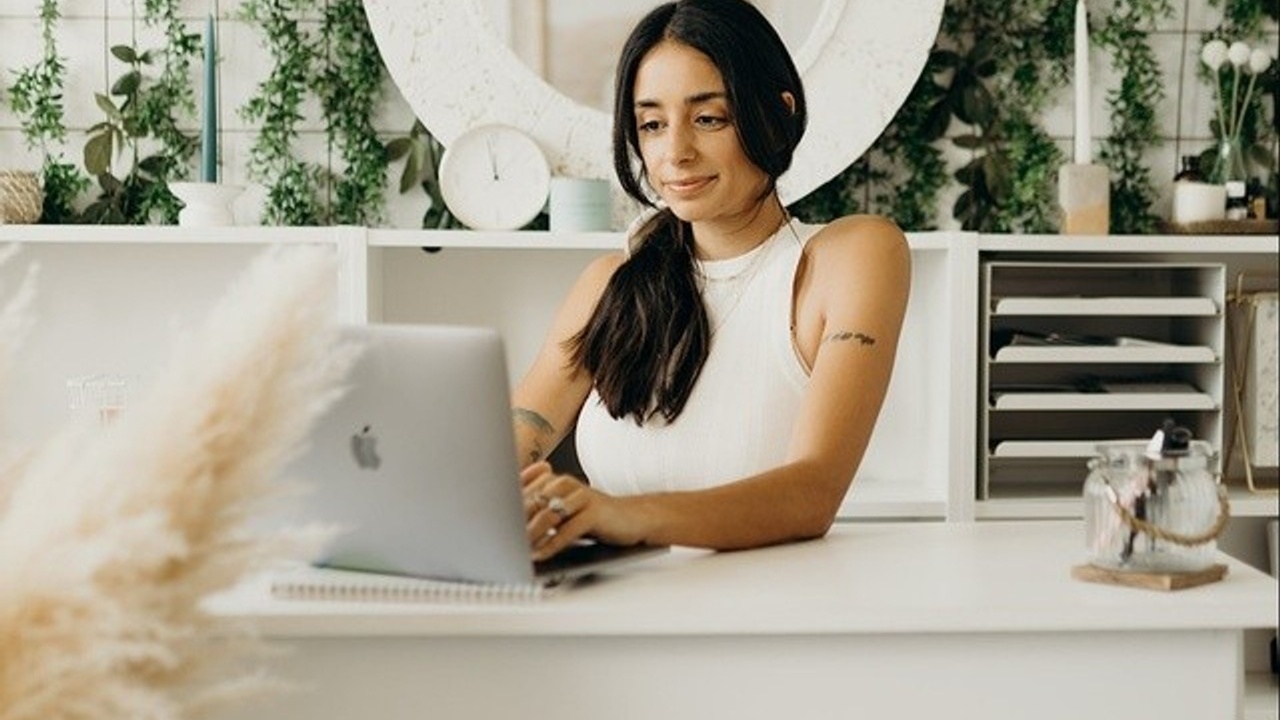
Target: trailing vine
pixel 1134 130
pixel 294 192
pixel 36 96
pixel 993 69
pixel 350 87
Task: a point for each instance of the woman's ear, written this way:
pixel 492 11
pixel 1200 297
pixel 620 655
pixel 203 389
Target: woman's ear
pixel 790 101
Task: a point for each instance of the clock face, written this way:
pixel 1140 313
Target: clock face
pixel 494 177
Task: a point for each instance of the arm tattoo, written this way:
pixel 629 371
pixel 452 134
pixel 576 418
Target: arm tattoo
pixel 845 335
pixel 534 420
pixel 541 428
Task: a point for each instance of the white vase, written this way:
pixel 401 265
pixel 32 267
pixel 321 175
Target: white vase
pixel 205 204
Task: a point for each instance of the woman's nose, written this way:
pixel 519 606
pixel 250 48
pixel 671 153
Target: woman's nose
pixel 682 146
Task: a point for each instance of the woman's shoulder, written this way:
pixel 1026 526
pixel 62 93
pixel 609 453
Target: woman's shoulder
pixel 858 239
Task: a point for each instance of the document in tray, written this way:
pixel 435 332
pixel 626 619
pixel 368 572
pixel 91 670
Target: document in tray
pixel 1027 338
pixel 1155 388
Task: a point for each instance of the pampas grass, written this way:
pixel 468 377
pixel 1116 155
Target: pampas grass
pixel 112 537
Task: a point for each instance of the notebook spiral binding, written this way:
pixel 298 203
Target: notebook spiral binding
pixel 347 586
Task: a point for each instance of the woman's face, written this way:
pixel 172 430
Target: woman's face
pixel 689 138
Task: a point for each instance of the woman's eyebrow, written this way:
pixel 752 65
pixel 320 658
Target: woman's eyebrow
pixel 694 99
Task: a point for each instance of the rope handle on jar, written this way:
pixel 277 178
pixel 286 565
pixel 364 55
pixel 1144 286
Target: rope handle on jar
pixel 1155 531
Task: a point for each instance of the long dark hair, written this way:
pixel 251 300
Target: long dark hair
pixel 648 337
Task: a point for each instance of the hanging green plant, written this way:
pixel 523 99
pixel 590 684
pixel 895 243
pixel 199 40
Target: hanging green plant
pixel 350 88
pixel 37 97
pixel 170 98
pixel 294 187
pixel 993 68
pixel 1125 33
pixel 910 148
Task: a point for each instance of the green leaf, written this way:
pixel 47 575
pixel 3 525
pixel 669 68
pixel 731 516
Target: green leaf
pixel 155 165
pixel 109 183
pixel 936 121
pixel 124 53
pixel 397 148
pixel 127 84
pixel 968 142
pixel 977 104
pixel 97 153
pixel 945 58
pixel 412 171
pixel 107 107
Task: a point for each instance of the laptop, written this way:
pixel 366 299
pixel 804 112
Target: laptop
pixel 416 463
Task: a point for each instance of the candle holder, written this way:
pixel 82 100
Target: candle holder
pixel 1084 196
pixel 580 205
pixel 205 204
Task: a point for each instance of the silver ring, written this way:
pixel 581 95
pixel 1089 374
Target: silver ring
pixel 551 532
pixel 557 506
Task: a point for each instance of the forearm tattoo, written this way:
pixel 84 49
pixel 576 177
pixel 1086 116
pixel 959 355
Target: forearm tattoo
pixel 845 336
pixel 541 427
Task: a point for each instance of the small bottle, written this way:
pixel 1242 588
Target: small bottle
pixel 1255 199
pixel 1190 171
pixel 1237 202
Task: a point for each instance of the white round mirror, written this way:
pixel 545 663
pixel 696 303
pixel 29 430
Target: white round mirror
pixel 859 63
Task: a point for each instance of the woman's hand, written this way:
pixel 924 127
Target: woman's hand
pixel 560 509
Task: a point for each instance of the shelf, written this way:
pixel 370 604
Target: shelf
pixel 1045 449
pixel 1104 401
pixel 168 235
pixel 546 240
pixel 1106 306
pixel 1131 244
pixel 1108 354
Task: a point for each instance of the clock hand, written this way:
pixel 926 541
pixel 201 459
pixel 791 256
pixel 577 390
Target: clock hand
pixel 493 159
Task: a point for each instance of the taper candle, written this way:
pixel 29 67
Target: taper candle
pixel 1084 134
pixel 209 126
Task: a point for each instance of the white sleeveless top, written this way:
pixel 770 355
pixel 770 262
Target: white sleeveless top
pixel 739 417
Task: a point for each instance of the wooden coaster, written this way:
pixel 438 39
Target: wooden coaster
pixel 1149 580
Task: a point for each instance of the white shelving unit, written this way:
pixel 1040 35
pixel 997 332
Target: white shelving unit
pixel 111 300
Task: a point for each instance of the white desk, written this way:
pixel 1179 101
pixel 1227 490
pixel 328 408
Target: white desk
pixel 924 620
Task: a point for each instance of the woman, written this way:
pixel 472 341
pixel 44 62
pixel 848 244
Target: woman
pixel 725 375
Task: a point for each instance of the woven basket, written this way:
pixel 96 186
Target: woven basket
pixel 21 198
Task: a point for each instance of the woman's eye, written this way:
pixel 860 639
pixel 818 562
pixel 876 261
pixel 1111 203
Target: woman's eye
pixel 711 121
pixel 649 126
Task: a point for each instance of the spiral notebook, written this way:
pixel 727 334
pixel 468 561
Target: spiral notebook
pixel 416 465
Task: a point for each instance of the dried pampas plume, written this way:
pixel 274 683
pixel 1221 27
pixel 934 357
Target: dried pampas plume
pixel 111 539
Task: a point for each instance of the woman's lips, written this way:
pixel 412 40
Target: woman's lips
pixel 688 186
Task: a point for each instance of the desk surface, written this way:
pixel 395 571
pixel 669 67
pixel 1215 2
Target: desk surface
pixel 864 578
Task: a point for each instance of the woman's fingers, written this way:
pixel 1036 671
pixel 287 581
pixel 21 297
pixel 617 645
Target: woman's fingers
pixel 552 503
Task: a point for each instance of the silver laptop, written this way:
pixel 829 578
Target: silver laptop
pixel 417 463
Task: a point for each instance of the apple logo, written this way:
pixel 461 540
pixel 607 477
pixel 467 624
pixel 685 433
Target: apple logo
pixel 364 447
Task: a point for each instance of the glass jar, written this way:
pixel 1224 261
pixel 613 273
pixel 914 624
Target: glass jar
pixel 1229 170
pixel 1153 506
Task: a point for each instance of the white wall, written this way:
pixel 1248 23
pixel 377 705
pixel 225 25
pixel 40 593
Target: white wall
pixel 90 27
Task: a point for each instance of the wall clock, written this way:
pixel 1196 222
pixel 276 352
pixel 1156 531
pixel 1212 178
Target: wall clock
pixel 494 177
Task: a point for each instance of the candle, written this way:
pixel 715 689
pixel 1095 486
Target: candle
pixel 209 126
pixel 1084 135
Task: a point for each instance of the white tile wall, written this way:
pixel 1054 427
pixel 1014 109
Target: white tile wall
pixel 91 26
